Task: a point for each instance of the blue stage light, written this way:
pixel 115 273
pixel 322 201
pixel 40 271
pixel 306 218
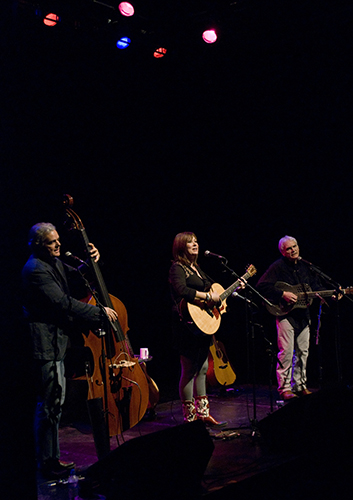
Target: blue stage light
pixel 123 43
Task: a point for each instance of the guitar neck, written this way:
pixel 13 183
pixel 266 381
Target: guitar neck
pixel 232 287
pixel 322 293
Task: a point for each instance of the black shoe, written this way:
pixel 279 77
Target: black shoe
pixel 54 469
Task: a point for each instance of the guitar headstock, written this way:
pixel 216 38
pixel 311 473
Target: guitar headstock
pixel 349 290
pixel 251 270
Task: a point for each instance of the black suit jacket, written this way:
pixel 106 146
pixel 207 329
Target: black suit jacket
pixel 49 310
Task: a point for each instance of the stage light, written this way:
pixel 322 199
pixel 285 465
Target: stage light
pixel 126 9
pixel 123 43
pixel 209 36
pixel 158 53
pixel 51 19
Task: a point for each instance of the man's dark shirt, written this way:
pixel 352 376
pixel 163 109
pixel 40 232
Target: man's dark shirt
pixel 293 274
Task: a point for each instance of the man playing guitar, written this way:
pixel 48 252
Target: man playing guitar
pixel 293 328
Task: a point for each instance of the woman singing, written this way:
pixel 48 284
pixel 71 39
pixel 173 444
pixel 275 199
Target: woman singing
pixel 187 281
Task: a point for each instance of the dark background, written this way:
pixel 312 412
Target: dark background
pixel 242 142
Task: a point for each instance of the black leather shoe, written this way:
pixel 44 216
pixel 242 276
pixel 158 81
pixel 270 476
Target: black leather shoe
pixel 55 469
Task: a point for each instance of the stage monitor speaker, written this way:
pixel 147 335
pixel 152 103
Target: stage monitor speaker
pixel 319 422
pixel 165 464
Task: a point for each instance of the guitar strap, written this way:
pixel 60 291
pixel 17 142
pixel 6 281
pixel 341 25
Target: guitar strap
pixel 188 272
pixel 201 274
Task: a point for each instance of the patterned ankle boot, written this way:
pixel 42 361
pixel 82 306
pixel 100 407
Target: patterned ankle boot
pixel 189 411
pixel 203 412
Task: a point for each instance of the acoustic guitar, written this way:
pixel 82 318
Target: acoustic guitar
pixel 305 297
pixel 220 371
pixel 208 320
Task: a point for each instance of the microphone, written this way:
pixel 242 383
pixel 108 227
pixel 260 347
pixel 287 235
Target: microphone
pixel 237 295
pixel 210 254
pixel 305 261
pixel 69 254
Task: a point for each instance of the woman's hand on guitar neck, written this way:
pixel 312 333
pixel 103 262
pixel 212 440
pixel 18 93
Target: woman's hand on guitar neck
pixel 111 313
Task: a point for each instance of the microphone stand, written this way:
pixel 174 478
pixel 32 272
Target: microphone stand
pixel 318 343
pixel 273 356
pixel 337 286
pixel 250 334
pixel 99 414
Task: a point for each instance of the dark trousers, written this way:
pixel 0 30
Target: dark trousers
pixel 51 396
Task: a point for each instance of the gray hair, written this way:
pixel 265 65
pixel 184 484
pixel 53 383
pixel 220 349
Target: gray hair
pixel 283 240
pixel 38 234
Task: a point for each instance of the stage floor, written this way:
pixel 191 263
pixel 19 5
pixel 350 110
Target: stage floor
pixel 248 458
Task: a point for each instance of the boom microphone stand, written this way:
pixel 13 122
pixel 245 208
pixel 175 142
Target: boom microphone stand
pixel 337 287
pixel 98 407
pixel 273 356
pixel 250 334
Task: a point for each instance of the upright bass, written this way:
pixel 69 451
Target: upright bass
pixel 117 376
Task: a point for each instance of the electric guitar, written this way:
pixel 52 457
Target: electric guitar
pixel 305 297
pixel 206 319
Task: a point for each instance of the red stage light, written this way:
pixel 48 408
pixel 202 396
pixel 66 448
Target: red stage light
pixel 161 52
pixel 126 9
pixel 51 19
pixel 209 36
